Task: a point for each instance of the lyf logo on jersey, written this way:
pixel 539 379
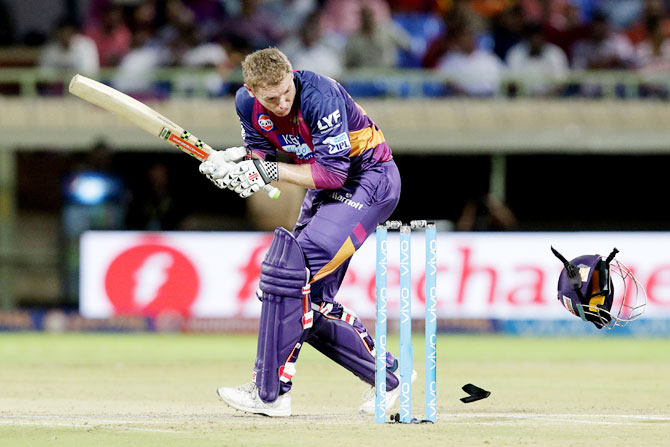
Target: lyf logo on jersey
pixel 338 143
pixel 265 122
pixel 331 121
pixel 296 145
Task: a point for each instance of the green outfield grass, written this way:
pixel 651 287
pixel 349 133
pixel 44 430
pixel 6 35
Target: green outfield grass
pixel 144 390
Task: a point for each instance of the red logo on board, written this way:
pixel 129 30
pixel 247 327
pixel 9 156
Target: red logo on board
pixel 265 122
pixel 150 279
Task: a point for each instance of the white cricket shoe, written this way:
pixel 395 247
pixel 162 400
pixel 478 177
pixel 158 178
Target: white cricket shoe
pixel 368 406
pixel 246 398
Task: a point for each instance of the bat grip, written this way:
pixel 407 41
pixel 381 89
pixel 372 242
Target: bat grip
pixel 272 191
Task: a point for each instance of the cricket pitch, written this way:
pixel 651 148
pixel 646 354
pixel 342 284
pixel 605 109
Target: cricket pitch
pixel 149 389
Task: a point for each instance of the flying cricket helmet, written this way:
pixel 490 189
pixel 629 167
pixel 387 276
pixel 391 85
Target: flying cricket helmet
pixel 586 289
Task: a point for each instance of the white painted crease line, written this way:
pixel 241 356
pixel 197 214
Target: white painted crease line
pixel 660 417
pixel 44 423
pixel 145 422
pixel 586 419
pixel 159 419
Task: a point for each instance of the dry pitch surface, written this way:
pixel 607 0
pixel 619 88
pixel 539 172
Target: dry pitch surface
pixel 143 390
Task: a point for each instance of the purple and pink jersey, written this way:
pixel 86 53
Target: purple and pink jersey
pixel 357 187
pixel 325 128
pixel 357 182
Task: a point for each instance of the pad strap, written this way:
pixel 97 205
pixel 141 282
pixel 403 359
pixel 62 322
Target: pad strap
pixel 308 314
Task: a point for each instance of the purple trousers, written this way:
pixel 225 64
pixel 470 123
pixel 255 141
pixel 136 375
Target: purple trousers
pixel 334 224
pixel 331 227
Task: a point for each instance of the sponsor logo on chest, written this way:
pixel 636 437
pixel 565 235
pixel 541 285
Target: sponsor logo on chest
pixel 329 122
pixel 296 145
pixel 265 123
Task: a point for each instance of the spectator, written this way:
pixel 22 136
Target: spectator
pixel 190 50
pixel 94 196
pixel 144 18
pixel 152 206
pixel 136 72
pixel 638 30
pixel 309 51
pixel 653 53
pixel 236 48
pixel 489 8
pixel 538 64
pixel 460 12
pixel 341 18
pixel 111 36
pixel 470 11
pixel 172 20
pixel 621 13
pixel 471 71
pixel 373 45
pixel 564 27
pixel 290 15
pixel 507 30
pixel 70 50
pixel 652 57
pixel 208 16
pixel 486 213
pixel 602 49
pixel 427 6
pixel 254 24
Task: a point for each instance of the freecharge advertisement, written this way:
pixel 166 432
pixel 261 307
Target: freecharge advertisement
pixel 480 275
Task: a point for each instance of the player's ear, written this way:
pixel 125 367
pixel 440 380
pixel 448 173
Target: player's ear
pixel 251 93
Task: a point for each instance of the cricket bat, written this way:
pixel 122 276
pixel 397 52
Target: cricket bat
pixel 146 118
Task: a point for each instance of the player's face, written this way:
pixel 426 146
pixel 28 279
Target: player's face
pixel 278 99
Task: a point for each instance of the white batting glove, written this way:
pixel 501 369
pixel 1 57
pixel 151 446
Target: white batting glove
pixel 219 163
pixel 249 176
pixel 235 154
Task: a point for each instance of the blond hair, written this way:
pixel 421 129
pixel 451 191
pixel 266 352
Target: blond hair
pixel 265 68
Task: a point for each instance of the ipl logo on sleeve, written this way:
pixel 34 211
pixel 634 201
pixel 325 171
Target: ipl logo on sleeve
pixel 265 122
pixel 338 143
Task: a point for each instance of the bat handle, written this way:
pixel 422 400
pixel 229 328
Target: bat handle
pixel 272 191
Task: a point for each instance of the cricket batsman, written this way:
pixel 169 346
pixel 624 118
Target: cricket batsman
pixel 342 158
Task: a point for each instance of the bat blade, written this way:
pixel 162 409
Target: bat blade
pixel 139 114
pixel 145 118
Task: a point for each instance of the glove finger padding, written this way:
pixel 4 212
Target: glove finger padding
pixel 249 192
pixel 249 176
pixel 206 168
pixel 235 154
pixel 216 167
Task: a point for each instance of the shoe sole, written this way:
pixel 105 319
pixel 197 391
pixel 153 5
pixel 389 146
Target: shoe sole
pixel 264 412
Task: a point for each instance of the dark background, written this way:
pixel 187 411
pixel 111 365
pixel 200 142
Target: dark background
pixel 545 192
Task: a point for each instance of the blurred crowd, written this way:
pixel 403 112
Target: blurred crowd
pixel 475 44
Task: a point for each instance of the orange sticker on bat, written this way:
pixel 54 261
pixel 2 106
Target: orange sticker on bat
pixel 188 147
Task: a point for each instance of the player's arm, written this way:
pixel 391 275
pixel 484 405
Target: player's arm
pixel 327 120
pixel 300 175
pixel 330 137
